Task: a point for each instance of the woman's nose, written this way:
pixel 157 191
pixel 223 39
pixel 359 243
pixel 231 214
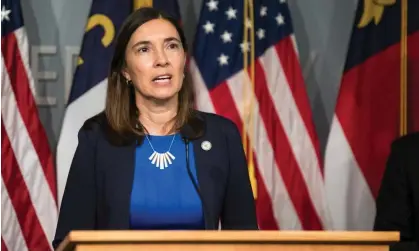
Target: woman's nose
pixel 161 59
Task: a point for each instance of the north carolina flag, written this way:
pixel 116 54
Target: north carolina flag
pixel 378 101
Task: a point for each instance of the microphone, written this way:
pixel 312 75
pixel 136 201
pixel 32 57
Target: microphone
pixel 186 134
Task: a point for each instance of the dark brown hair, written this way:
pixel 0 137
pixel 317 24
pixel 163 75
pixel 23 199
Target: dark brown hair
pixel 120 109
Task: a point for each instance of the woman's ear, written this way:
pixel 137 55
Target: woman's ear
pixel 125 73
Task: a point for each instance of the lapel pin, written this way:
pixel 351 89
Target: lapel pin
pixel 206 145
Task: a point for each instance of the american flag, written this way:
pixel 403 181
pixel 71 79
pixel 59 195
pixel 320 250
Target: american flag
pixel 28 186
pixel 274 114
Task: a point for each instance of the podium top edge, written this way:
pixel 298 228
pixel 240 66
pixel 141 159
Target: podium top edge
pixel 232 236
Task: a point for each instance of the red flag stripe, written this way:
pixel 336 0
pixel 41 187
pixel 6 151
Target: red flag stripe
pixel 11 232
pixel 291 66
pixel 203 100
pixel 284 156
pixel 3 245
pixel 413 82
pixel 355 109
pixel 225 105
pixel 264 209
pixel 354 113
pixel 283 210
pixel 20 198
pixel 294 128
pixel 27 106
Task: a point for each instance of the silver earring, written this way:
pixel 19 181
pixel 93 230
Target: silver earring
pixel 128 82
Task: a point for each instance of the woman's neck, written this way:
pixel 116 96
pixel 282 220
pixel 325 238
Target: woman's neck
pixel 157 117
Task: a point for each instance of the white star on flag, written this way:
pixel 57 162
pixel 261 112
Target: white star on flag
pixel 263 11
pixel 226 36
pixel 209 27
pixel 212 5
pixel 223 59
pixel 261 33
pixel 5 14
pixel 231 13
pixel 280 19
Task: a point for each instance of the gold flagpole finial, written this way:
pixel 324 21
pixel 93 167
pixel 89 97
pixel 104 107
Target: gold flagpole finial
pixel 142 3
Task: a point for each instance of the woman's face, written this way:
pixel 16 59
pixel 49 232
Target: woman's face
pixel 155 60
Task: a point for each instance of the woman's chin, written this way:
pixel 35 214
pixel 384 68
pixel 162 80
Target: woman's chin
pixel 163 96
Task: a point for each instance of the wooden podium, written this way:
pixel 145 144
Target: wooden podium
pixel 227 240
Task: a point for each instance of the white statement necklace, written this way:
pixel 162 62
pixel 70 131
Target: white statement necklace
pixel 161 160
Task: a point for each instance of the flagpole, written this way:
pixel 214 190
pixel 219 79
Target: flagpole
pixel 248 109
pixel 403 69
pixel 252 81
pixel 245 65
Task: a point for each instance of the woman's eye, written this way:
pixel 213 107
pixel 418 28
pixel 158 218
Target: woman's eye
pixel 173 46
pixel 143 49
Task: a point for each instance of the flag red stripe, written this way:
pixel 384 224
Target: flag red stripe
pixel 3 245
pixel 413 81
pixel 19 195
pixel 291 66
pixel 224 105
pixel 368 109
pixel 264 209
pixel 27 107
pixel 284 157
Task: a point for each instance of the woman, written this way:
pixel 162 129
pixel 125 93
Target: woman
pixel 150 161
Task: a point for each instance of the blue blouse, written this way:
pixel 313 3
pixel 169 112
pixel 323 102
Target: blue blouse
pixel 164 198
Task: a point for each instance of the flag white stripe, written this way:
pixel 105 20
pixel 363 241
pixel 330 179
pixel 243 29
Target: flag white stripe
pixel 296 132
pixel 202 98
pixel 27 159
pixel 283 208
pixel 23 45
pixel 73 121
pixel 343 177
pixel 294 44
pixel 10 227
